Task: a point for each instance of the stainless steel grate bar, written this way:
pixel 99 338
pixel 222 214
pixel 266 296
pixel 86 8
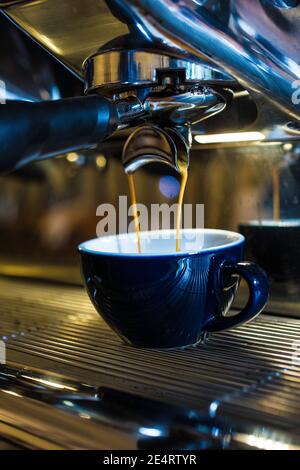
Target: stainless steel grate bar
pixel 252 371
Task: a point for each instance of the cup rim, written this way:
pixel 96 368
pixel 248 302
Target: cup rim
pixel 239 239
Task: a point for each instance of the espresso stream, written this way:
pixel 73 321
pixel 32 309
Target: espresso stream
pixel 184 176
pixel 135 212
pixel 276 194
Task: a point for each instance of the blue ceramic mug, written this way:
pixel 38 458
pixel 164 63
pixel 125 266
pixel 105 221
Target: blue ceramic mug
pixel 164 299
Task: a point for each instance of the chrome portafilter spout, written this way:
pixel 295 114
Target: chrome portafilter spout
pixel 167 136
pixel 152 144
pixel 175 94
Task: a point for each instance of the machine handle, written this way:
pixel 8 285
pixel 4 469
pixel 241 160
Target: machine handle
pixel 34 131
pixel 258 295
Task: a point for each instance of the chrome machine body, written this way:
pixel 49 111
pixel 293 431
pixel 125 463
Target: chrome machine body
pixel 168 63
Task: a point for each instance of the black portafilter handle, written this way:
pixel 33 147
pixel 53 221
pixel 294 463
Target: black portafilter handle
pixel 34 131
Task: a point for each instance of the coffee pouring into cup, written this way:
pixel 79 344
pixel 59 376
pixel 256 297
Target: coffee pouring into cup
pixel 149 144
pixel 161 297
pixel 180 284
pixel 163 78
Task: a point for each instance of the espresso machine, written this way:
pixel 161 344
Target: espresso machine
pixel 165 65
pixel 152 74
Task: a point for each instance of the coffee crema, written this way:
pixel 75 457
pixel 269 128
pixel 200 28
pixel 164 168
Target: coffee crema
pixel 183 168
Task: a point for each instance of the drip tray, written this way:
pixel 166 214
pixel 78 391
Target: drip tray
pixel 250 373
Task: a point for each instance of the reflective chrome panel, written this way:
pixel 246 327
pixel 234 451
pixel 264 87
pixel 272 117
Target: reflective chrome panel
pixel 76 416
pixel 25 69
pixel 70 29
pixel 284 3
pixel 255 42
pixel 130 68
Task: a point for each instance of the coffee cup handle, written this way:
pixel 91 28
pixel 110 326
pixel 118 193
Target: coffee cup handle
pixel 258 295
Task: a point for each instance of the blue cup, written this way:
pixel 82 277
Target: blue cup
pixel 164 299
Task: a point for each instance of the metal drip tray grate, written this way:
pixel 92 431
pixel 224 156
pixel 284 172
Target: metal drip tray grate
pixel 251 372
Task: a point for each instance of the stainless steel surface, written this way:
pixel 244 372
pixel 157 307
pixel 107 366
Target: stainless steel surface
pixel 70 29
pixel 249 373
pixel 113 70
pixel 284 3
pixel 252 41
pixel 171 143
pixel 18 58
pixel 32 414
pixel 78 416
pixel 149 144
pixel 252 44
pixel 187 108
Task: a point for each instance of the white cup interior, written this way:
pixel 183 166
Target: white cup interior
pixel 163 242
